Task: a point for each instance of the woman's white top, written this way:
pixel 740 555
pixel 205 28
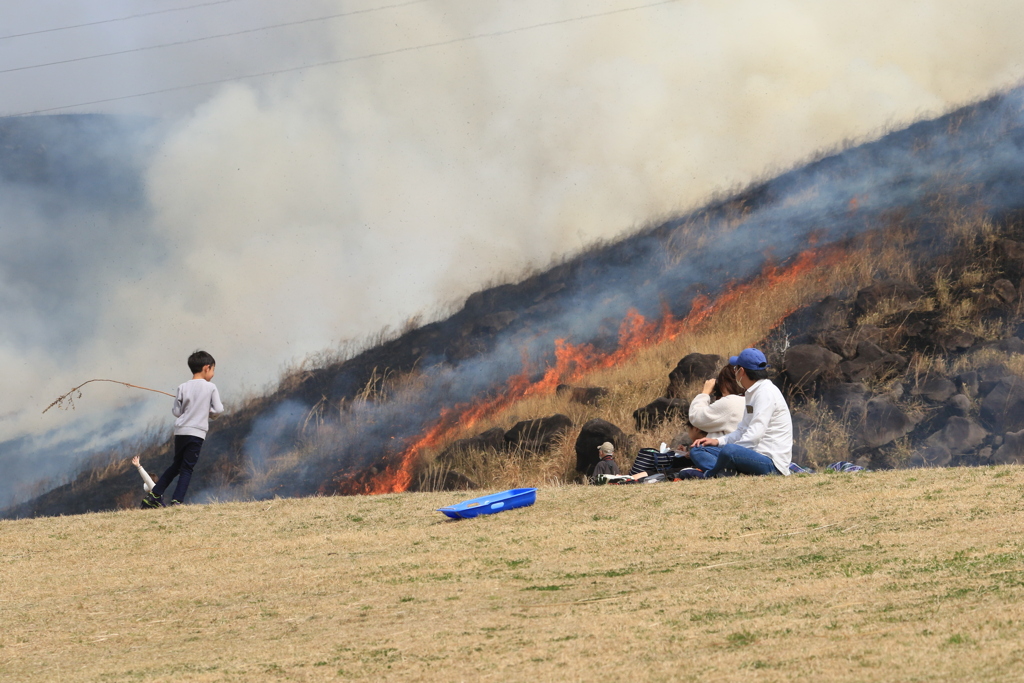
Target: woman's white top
pixel 718 418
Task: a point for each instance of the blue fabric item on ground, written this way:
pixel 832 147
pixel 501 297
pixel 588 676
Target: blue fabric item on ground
pixel 845 466
pixel 706 457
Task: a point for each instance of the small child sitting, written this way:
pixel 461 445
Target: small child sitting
pixel 607 465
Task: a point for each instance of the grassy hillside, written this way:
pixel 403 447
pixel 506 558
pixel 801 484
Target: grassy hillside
pixel 901 575
pixel 773 314
pixel 358 424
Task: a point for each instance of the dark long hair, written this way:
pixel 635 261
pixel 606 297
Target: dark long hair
pixel 727 383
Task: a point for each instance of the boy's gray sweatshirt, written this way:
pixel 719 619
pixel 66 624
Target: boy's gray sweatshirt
pixel 196 401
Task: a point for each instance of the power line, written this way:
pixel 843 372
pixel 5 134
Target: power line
pixel 111 21
pixel 213 37
pixel 345 60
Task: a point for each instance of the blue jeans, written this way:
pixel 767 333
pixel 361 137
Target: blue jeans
pixel 714 459
pixel 186 454
pixel 705 457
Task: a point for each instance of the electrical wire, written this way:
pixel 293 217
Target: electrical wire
pixel 357 58
pixel 188 41
pixel 111 21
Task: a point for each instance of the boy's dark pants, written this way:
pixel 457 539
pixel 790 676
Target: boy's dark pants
pixel 186 454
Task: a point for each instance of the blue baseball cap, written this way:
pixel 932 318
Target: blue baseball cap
pixel 751 359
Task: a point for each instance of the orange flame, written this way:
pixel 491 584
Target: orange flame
pixel 572 362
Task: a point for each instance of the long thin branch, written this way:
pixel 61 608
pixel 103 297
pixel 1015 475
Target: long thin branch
pixel 59 402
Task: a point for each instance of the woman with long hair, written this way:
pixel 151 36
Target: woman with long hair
pixel 722 415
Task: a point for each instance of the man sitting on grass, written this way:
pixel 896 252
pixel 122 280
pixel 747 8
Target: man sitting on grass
pixel 607 464
pixel 763 442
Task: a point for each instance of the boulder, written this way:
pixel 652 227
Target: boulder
pixel 959 405
pixel 871 362
pixel 593 434
pixel 802 424
pixel 934 455
pixel 1003 406
pixel 492 439
pixel 804 323
pixel 986 386
pixel 1004 291
pixel 492 323
pixel 934 389
pixel 1011 345
pixel 967 382
pixel 960 435
pixel 805 363
pixel 693 366
pixel 537 435
pixel 993 372
pixel 883 423
pixel 589 396
pixel 921 329
pixel 989 376
pixel 900 292
pixel 954 340
pixel 681 440
pixel 1010 250
pixel 844 342
pixel 848 401
pixel 1012 450
pixel 866 461
pixel 659 410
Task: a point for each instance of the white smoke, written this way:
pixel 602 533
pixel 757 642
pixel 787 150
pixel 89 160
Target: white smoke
pixel 288 213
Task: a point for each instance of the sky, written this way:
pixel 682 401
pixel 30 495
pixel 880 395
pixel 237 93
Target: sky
pixel 433 146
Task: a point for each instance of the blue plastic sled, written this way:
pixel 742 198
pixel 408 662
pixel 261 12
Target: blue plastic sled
pixel 488 505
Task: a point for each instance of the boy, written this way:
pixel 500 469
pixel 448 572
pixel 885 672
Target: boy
pixel 196 401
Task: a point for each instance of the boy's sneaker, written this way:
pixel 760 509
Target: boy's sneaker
pixel 151 501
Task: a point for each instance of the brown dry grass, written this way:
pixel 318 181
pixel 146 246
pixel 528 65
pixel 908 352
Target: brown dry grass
pixel 904 575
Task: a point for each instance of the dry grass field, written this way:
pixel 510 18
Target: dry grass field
pixel 889 576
